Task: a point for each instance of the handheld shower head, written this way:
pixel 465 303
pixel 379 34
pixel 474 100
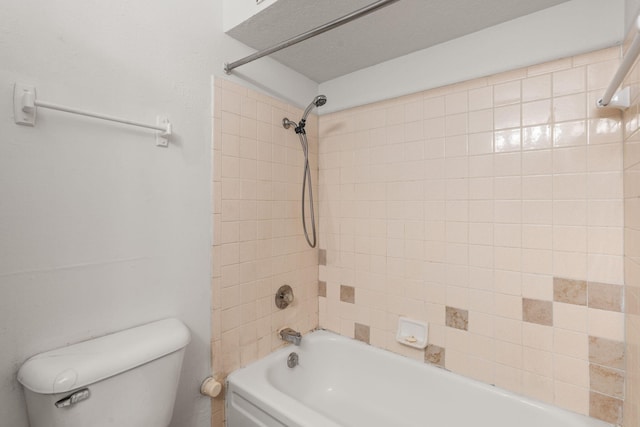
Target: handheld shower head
pixel 318 101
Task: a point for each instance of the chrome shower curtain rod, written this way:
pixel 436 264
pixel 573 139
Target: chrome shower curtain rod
pixel 228 67
pixel 613 97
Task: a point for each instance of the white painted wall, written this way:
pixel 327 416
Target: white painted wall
pixel 632 9
pixel 567 29
pixel 99 229
pixel 237 11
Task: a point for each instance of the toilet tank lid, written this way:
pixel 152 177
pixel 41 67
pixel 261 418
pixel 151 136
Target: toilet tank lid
pixel 78 365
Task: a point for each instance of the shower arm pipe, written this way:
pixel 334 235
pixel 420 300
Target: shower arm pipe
pixel 228 67
pixel 621 99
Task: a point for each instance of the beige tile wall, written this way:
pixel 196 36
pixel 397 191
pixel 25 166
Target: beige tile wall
pixel 632 249
pixel 257 238
pixel 492 209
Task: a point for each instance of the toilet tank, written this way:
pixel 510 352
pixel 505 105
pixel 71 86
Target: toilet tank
pixel 125 379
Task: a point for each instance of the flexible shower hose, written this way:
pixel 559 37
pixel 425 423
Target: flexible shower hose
pixel 306 181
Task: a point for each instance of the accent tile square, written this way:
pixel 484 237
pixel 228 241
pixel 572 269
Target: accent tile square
pixel 322 257
pixel 347 294
pixel 322 289
pixel 435 355
pixel 606 381
pixel 605 296
pixel 537 311
pixel 362 332
pixel 570 291
pixel 457 318
pixel 605 408
pixel 606 352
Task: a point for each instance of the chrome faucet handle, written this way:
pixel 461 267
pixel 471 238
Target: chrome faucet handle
pixel 284 296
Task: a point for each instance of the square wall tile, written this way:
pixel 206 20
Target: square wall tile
pixel 570 291
pixel 457 318
pixel 362 333
pixel 322 289
pixel 605 296
pixel 605 408
pixel 435 355
pixel 607 381
pixel 347 294
pixel 537 311
pixel 606 352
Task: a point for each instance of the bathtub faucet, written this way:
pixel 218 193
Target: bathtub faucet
pixel 289 335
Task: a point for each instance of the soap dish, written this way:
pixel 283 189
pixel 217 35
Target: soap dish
pixel 412 333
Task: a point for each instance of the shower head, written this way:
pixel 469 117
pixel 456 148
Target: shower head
pixel 318 101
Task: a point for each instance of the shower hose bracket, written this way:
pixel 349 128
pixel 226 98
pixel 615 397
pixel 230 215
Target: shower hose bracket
pixel 300 127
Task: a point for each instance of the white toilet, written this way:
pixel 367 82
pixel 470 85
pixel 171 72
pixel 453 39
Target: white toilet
pixel 126 379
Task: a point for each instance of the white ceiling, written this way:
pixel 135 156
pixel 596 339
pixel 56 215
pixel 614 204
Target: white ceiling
pixel 396 30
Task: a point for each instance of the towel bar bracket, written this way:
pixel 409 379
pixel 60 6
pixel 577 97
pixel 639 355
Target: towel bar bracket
pixel 24 108
pixel 162 137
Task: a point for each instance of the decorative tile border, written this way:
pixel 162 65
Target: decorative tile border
pixel 606 379
pixel 601 296
pixel 604 358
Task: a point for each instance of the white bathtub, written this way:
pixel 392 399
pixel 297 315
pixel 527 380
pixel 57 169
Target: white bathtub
pixel 341 382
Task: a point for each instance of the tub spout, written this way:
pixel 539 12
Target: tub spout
pixel 289 335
